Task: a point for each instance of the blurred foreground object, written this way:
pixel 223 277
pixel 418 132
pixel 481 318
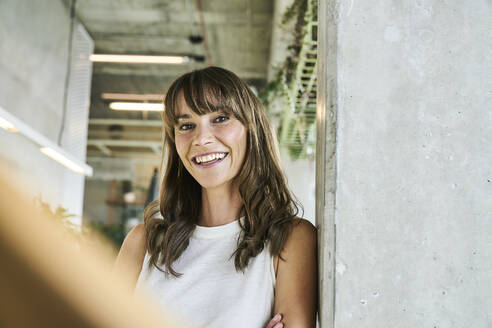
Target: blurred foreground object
pixel 48 280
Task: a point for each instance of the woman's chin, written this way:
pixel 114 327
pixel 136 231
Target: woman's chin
pixel 209 185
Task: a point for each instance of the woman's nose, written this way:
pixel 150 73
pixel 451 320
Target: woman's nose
pixel 203 135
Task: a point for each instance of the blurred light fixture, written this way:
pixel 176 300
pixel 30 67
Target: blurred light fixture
pixel 4 124
pixel 129 197
pixel 138 59
pixel 136 106
pixel 62 159
pixel 47 146
pixel 132 96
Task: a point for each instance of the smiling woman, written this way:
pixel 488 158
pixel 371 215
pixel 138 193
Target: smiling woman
pixel 229 248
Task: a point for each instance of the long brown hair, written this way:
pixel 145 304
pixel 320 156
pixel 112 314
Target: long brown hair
pixel 268 206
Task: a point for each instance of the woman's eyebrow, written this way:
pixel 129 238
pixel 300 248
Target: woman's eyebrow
pixel 182 116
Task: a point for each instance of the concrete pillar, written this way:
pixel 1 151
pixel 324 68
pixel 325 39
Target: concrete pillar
pixel 405 175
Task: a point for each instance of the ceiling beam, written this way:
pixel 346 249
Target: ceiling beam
pixel 132 16
pixel 171 71
pixel 160 45
pixel 157 150
pixel 128 122
pixel 105 150
pixel 124 143
pixel 163 70
pixel 133 156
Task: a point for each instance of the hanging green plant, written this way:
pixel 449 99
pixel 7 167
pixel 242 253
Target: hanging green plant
pixel 284 74
pixel 295 83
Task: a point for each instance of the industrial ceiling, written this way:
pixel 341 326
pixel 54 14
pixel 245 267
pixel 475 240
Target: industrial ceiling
pixel 234 34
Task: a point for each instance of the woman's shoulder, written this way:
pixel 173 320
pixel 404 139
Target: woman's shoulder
pixel 131 255
pixel 303 225
pixel 134 242
pixel 302 231
pixel 137 233
pixel 302 239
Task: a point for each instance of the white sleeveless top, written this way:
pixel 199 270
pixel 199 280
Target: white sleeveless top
pixel 211 293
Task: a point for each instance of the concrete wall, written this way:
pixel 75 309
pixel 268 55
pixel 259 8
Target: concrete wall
pixel 301 178
pixel 34 38
pixel 413 207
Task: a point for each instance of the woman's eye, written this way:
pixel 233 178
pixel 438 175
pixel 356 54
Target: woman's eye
pixel 185 126
pixel 221 118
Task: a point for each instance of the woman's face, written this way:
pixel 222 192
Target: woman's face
pixel 211 146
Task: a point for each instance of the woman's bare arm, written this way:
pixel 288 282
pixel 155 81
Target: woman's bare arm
pixel 297 279
pixel 129 261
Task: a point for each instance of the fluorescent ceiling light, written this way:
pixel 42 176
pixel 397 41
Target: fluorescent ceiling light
pixel 48 147
pixel 60 158
pixel 132 96
pixel 136 106
pixel 138 59
pixel 4 124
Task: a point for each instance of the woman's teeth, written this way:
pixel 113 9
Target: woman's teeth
pixel 209 158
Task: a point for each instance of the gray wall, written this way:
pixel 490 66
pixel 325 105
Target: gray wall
pixel 413 209
pixel 34 38
pixel 301 179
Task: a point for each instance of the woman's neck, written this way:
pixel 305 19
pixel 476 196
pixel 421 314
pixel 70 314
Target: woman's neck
pixel 220 206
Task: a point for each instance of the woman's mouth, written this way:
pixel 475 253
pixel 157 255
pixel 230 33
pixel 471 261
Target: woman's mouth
pixel 208 159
